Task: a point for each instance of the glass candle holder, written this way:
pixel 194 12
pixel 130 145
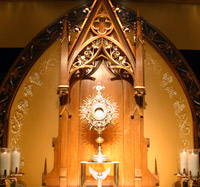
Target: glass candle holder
pixel 193 162
pixel 183 161
pixel 5 161
pixel 15 160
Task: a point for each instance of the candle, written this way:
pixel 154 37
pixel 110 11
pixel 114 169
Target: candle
pixel 193 163
pixel 15 160
pixel 183 161
pixel 5 161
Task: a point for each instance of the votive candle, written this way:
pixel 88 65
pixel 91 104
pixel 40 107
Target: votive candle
pixel 183 161
pixel 15 160
pixel 5 161
pixel 193 162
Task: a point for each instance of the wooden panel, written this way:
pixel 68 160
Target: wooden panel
pixel 113 137
pixel 118 139
pixel 73 138
pixel 128 133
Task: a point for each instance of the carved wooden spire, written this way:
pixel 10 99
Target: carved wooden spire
pixel 63 88
pixel 139 74
pixel 96 40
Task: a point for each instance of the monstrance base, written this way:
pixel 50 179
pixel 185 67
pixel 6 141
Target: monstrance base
pixel 99 158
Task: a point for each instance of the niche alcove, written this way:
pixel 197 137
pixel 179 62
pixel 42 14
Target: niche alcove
pixel 155 90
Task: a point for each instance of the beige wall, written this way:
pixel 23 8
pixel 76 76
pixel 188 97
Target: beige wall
pixel 21 21
pixel 167 117
pixel 34 116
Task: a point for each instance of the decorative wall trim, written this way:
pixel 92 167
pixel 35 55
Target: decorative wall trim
pixel 21 67
pixel 178 102
pixel 17 120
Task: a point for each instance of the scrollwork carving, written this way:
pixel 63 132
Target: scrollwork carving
pixel 85 59
pixel 125 15
pixel 117 59
pixel 77 16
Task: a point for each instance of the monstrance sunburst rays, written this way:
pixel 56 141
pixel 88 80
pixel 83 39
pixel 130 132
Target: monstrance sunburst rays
pixel 98 112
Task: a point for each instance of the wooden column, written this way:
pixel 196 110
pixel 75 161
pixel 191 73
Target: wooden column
pixel 139 55
pixel 138 112
pixel 138 145
pixel 139 74
pixel 63 90
pixel 58 176
pixel 143 177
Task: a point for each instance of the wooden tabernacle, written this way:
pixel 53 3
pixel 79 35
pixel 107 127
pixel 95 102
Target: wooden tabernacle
pixel 102 52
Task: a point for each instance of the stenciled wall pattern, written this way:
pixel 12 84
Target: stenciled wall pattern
pixel 183 123
pixel 35 79
pixel 34 115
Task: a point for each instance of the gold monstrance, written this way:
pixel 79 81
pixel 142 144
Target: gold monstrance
pixel 99 112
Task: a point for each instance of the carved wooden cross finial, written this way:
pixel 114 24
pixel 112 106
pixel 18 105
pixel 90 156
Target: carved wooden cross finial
pixel 99 88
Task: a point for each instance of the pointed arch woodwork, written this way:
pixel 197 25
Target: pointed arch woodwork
pixel 91 40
